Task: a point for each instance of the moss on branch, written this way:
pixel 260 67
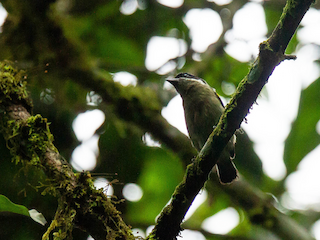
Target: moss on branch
pixel 31 142
pixel 271 54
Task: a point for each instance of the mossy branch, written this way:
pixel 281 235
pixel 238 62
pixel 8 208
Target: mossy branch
pixel 70 58
pixel 271 54
pixel 31 143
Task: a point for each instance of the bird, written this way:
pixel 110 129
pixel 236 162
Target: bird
pixel 203 109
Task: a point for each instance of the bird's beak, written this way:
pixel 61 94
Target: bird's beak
pixel 172 80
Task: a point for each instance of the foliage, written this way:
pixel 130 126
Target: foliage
pixel 8 206
pixel 70 48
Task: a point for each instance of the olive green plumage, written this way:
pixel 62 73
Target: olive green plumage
pixel 203 109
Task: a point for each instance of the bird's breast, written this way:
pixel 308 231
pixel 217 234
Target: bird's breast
pixel 200 117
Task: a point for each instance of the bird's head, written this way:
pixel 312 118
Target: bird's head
pixel 184 83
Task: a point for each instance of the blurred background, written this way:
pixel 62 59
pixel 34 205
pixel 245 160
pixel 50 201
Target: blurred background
pixel 133 45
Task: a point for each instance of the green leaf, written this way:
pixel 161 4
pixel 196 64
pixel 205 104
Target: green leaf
pixel 303 137
pixel 160 175
pixel 7 206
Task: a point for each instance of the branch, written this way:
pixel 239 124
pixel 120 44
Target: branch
pixel 30 142
pixel 271 54
pixel 65 54
pixel 260 209
pixel 137 105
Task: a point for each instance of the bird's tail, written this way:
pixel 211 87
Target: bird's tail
pixel 227 171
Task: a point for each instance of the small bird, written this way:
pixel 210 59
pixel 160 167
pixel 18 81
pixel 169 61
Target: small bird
pixel 203 109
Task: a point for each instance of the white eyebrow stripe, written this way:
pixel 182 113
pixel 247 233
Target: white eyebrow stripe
pixel 198 80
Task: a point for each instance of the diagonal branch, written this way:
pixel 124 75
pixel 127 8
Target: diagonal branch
pixel 271 54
